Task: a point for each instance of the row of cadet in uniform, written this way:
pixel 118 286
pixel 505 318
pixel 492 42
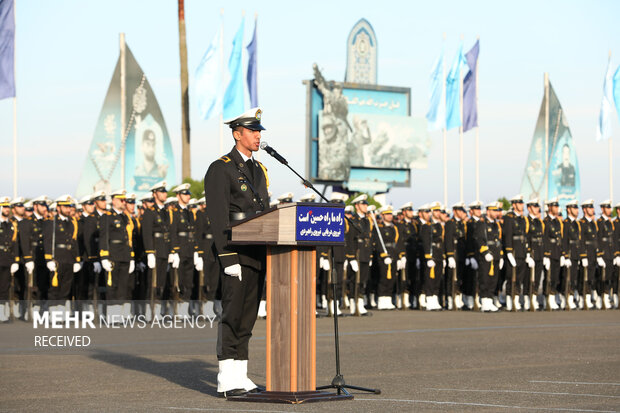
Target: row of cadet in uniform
pixel 474 259
pixel 108 251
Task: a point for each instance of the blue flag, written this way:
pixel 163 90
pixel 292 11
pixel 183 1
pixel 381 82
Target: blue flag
pixel 233 98
pixel 7 49
pixel 453 95
pixel 209 79
pixel 616 90
pixel 436 114
pixel 603 126
pixel 470 104
pixel 252 80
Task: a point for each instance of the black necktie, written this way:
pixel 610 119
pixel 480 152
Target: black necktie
pixel 250 166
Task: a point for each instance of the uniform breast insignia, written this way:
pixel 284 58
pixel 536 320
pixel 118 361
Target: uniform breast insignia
pixel 244 187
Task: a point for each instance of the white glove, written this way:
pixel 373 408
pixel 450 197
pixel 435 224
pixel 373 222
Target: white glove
pixel 77 266
pixel 511 259
pixel 198 262
pixel 107 265
pixel 417 263
pixel 546 263
pixel 387 261
pixel 501 263
pixel 430 263
pixel 97 267
pixel 150 260
pixel 584 262
pixel 176 260
pixel 51 265
pixel 170 258
pixel 601 262
pixel 354 266
pixel 324 263
pixel 346 263
pixel 530 261
pixel 488 257
pixel 402 262
pixel 451 262
pixel 568 263
pixel 444 263
pixel 399 265
pixel 30 266
pixel 474 264
pixel 370 262
pixel 132 266
pixel 616 261
pixel 14 268
pixel 233 271
pixel 562 261
pixel 467 262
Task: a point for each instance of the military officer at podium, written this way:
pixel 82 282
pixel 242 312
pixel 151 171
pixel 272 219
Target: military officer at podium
pixel 236 187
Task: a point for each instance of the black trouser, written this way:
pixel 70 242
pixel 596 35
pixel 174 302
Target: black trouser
pixel 41 281
pixel 84 282
pixel 186 278
pixel 119 290
pixel 161 265
pixel 469 277
pixel 554 277
pixel 337 272
pixel 62 291
pixel 521 273
pixel 5 282
pixel 488 277
pixel 614 273
pixel 374 274
pixel 432 277
pixel 604 285
pixel 387 277
pixel 239 309
pixel 574 272
pixel 538 267
pixel 140 284
pixel 364 268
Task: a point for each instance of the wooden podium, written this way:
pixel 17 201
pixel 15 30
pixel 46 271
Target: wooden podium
pixel 291 233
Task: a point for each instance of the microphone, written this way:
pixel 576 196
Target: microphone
pixel 272 152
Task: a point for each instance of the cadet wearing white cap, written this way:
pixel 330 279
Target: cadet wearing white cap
pixel 554 254
pixel 589 238
pixel 359 253
pixel 285 198
pixel 536 252
pixel 432 242
pixel 514 231
pixel 455 242
pixel 387 236
pixel 607 249
pixel 309 197
pixel 572 248
pixel 9 256
pixel 41 273
pixel 408 229
pixel 236 188
pixel 61 253
pixel 24 238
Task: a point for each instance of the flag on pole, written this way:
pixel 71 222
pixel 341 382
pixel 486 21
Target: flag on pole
pixel 453 85
pixel 603 126
pixel 470 104
pixel 616 90
pixel 251 77
pixel 7 49
pixel 436 114
pixel 233 98
pixel 209 79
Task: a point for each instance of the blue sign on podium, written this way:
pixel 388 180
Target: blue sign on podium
pixel 320 223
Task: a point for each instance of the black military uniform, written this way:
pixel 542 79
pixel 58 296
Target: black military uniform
pixel 552 245
pixel 387 271
pixel 486 238
pixel 24 235
pixel 408 230
pixel 137 280
pixel 455 244
pixel 514 240
pixel 589 239
pixel 535 246
pixel 212 269
pixel 9 256
pixel 606 251
pixel 573 249
pixel 41 273
pixel 432 241
pixel 359 248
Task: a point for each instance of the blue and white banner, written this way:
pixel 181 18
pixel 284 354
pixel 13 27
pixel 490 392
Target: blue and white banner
pixel 319 223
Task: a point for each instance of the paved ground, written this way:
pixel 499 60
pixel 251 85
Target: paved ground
pixel 461 362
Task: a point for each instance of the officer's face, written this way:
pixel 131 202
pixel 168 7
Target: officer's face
pixel 184 198
pixel 588 211
pixel 100 204
pixel 19 211
pixel 160 196
pixel 130 207
pixel 553 210
pixel 361 208
pixel 518 207
pixel 606 211
pixel 40 209
pixel 477 212
pixel 6 211
pixel 408 213
pixel 247 140
pixel 572 211
pixel 118 204
pixel 388 217
pixel 65 210
pixel 88 208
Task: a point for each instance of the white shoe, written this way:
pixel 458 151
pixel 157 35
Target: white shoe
pixel 450 303
pixel 534 300
pixel 526 302
pixel 468 301
pixel 217 307
pixel 352 305
pixel 508 305
pixel 323 301
pixel 227 377
pixel 487 305
pixel 346 301
pixel 183 309
pixel 615 300
pixel 208 310
pixel 517 303
pixel 422 301
pixel 360 304
pixel 388 302
pixel 432 303
pixel 598 302
pixel 407 302
pixel 562 301
pixel 241 367
pixel 497 302
pixel 458 301
pixel 589 304
pixel 262 309
pixel 571 302
pixel 373 303
pixel 331 307
pixel 3 315
pixel 384 303
pixel 552 302
pixel 606 301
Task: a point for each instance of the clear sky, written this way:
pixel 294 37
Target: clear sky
pixel 66 52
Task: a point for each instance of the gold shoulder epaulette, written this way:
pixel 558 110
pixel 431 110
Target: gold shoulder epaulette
pixel 225 159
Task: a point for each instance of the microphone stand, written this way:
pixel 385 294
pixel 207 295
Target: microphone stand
pixel 338 381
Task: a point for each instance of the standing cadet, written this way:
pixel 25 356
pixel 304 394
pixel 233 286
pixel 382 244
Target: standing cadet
pixel 589 254
pixel 61 253
pixel 92 224
pixel 117 256
pixel 470 281
pixel 409 234
pixel 486 242
pixel 606 252
pixel 157 247
pixel 80 283
pixel 338 258
pixel 432 240
pixel 553 254
pixel 210 296
pixel 514 240
pixel 183 236
pixel 572 248
pixel 24 232
pixel 236 188
pixel 137 279
pixel 385 240
pixel 456 252
pixel 9 256
pixel 536 251
pixel 359 253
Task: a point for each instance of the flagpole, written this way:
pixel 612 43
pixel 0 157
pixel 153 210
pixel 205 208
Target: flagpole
pixel 611 176
pixel 461 129
pixel 545 156
pixel 123 107
pixel 445 133
pixel 186 159
pixel 257 154
pixel 14 106
pixel 221 83
pixel 477 134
